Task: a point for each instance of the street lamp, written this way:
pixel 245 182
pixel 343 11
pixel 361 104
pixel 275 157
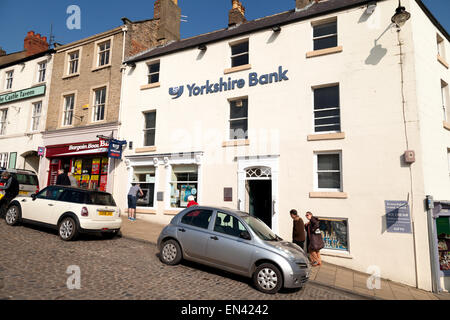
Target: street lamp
pixel 401 15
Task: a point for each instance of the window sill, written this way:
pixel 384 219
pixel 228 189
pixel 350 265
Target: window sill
pixel 172 212
pixel 147 149
pixel 100 68
pixel 317 53
pixel 326 136
pixel 237 69
pixel 71 76
pixel 328 195
pixel 442 61
pixel 145 211
pixel 236 143
pixel 335 253
pixel 447 125
pixel 151 86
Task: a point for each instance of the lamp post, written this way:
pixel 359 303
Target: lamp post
pixel 401 16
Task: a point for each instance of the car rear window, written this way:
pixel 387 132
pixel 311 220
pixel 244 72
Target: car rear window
pixel 198 218
pixel 26 179
pixel 100 199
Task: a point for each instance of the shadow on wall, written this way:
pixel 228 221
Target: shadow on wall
pixel 273 37
pixel 377 53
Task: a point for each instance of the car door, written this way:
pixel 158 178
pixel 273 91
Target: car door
pixel 42 208
pixel 225 248
pixel 193 232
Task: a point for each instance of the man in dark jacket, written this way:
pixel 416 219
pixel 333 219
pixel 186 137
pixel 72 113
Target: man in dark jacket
pixel 10 189
pixel 298 230
pixel 63 178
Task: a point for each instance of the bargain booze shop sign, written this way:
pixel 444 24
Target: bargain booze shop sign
pixel 77 149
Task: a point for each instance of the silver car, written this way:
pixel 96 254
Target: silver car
pixel 236 242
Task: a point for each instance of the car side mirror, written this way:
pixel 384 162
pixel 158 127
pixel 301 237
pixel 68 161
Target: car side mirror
pixel 245 235
pixel 33 196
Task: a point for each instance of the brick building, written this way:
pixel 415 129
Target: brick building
pixel 85 96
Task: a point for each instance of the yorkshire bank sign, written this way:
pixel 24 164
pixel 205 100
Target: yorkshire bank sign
pixel 254 79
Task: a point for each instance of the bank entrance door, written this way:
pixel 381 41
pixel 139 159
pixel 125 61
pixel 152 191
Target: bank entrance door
pixel 259 194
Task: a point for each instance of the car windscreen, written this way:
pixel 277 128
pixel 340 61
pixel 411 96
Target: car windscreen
pixel 100 199
pixel 26 179
pixel 260 229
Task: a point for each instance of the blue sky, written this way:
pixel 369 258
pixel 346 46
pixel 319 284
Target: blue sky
pixel 19 17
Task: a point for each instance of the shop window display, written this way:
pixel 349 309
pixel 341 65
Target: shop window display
pixel 145 176
pixel 334 233
pixel 443 230
pixel 184 182
pixel 91 173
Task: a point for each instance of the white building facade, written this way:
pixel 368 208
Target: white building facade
pixel 24 91
pixel 313 109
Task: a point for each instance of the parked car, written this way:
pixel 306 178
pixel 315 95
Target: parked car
pixel 28 181
pixel 236 242
pixel 69 210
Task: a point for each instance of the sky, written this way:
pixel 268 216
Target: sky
pixel 19 17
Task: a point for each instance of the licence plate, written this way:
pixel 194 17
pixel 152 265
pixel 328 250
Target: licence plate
pixel 105 213
pixel 23 193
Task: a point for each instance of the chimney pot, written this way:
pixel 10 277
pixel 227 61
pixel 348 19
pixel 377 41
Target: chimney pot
pixel 34 43
pixel 237 13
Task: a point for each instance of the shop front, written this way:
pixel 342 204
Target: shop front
pixel 441 215
pixel 88 162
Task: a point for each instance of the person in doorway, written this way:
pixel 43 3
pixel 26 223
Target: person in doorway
pixel 63 178
pixel 10 191
pixel 191 201
pixel 315 241
pixel 73 181
pixel 132 200
pixel 298 230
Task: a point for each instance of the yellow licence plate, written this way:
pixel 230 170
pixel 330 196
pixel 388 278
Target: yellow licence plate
pixel 105 213
pixel 23 193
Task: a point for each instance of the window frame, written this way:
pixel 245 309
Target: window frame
pixel 146 129
pixel 324 86
pixel 96 106
pixel 319 23
pixel 348 234
pixel 230 120
pixel 440 43
pixel 316 171
pixel 42 72
pixel 237 43
pixel 4 159
pixel 103 54
pixel 445 98
pixel 3 121
pixel 194 226
pixel 150 74
pixel 171 182
pixel 64 116
pixel 234 219
pixel 9 79
pixel 35 116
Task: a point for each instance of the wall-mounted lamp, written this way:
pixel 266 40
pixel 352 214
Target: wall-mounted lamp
pixel 202 47
pixel 371 8
pixel 276 28
pixel 401 15
pixel 133 65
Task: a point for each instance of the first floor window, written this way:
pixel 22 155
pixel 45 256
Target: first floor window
pixel 9 79
pixel 145 176
pixel 325 35
pixel 73 62
pixel 3 160
pixel 37 110
pixel 445 99
pixel 104 53
pixel 153 72
pixel 99 105
pixel 327 113
pixel 240 54
pixel 69 103
pixel 334 233
pixel 3 118
pixel 184 182
pixel 239 119
pixel 150 128
pixel 41 71
pixel 328 175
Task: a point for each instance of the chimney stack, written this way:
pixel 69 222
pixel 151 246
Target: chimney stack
pixel 2 52
pixel 237 14
pixel 34 43
pixel 169 15
pixel 301 4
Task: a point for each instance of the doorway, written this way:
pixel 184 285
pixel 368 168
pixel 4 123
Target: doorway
pixel 260 200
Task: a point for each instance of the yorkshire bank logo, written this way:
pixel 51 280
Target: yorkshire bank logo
pixel 226 85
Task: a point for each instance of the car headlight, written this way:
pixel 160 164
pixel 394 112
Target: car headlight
pixel 287 252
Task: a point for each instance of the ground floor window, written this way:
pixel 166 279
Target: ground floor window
pixel 443 231
pixel 145 176
pixel 334 233
pixel 184 182
pixel 3 160
pixel 91 173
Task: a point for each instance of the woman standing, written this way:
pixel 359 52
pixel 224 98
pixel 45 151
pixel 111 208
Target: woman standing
pixel 315 241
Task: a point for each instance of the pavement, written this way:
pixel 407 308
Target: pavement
pixel 327 275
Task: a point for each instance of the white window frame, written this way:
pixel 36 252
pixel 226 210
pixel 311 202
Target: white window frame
pixel 323 22
pixel 316 171
pixel 97 106
pixel 445 99
pixel 42 71
pixel 101 53
pixel 149 74
pixel 146 163
pixel 9 79
pixel 3 121
pixel 66 111
pixel 148 129
pixel 4 159
pixel 440 46
pixel 36 117
pixel 70 61
pixel 314 111
pixel 237 119
pixel 236 43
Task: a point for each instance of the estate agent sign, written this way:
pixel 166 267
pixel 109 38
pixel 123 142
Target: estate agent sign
pixel 22 94
pixel 398 217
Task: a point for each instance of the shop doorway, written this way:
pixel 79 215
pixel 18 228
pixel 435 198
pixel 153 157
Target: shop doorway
pixel 260 200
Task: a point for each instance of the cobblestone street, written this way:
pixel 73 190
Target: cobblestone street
pixel 34 261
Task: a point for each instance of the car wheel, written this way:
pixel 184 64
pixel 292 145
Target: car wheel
pixel 68 229
pixel 12 215
pixel 267 278
pixel 170 253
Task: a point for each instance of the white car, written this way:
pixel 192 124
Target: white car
pixel 69 210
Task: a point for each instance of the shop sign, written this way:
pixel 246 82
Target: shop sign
pixel 22 94
pixel 254 79
pixel 78 149
pixel 398 217
pixel 115 149
pixel 41 151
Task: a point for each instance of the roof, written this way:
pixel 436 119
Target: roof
pixel 284 18
pixel 20 57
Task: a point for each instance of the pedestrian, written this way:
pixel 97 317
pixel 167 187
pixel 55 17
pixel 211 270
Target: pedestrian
pixel 132 200
pixel 73 181
pixel 191 202
pixel 315 241
pixel 10 189
pixel 298 230
pixel 63 178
